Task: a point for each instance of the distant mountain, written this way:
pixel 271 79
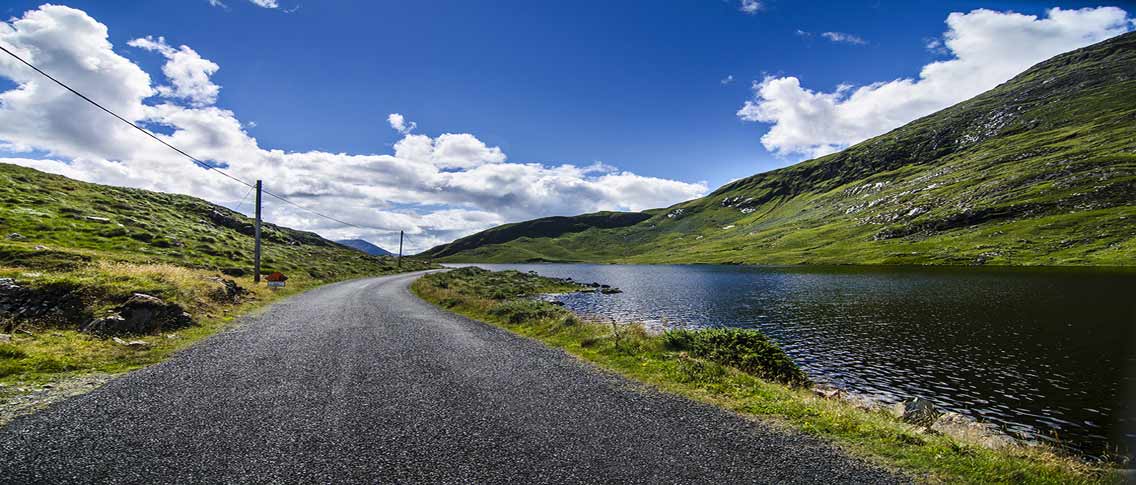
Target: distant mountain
pixel 365 246
pixel 546 227
pixel 1039 170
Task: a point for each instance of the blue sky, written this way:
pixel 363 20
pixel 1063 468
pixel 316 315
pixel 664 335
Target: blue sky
pixel 635 85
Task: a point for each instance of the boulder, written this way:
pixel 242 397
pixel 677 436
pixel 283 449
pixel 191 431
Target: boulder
pixel 610 291
pixel 228 290
pixel 920 412
pixel 54 304
pixel 968 430
pixel 15 236
pixel 235 272
pixel 828 392
pixel 139 315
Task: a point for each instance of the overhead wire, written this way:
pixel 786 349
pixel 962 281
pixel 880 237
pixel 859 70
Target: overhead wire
pixel 243 199
pixel 195 160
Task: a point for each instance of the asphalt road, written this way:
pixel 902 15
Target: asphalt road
pixel 362 382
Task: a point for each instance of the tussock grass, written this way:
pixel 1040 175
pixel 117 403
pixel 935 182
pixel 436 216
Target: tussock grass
pixel 733 369
pixel 41 351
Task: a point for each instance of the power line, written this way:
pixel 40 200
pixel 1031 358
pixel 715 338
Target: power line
pixel 282 199
pixel 243 199
pixel 124 120
pixel 176 149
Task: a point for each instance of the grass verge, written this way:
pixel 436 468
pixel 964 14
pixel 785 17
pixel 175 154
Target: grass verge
pixel 45 349
pixel 742 372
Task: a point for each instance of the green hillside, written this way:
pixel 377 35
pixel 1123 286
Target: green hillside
pixel 73 223
pixel 1040 170
pixel 72 253
pixel 545 227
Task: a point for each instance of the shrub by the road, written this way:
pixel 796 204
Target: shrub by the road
pixel 747 350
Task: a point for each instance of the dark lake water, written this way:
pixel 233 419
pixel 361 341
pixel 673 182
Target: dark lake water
pixel 1049 354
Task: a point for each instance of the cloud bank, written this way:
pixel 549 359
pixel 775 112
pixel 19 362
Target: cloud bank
pixel 436 188
pixel 986 48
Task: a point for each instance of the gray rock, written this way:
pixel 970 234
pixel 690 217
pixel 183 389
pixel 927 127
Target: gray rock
pixel 610 291
pixel 132 343
pixel 228 291
pixel 141 314
pixel 968 430
pixel 828 392
pixel 920 412
pixel 15 236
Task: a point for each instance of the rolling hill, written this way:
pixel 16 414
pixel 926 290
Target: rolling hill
pixel 364 246
pixel 80 262
pixel 1040 170
pixel 52 222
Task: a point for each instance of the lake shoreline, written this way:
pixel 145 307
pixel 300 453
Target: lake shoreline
pixel 1039 353
pixel 874 434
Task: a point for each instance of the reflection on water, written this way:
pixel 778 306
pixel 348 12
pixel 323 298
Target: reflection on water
pixel 1046 354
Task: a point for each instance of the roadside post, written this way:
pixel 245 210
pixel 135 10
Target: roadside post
pixel 256 248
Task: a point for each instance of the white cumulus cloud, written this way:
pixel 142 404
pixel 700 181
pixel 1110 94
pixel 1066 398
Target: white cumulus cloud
pixel 750 6
pixel 399 123
pixel 188 72
pixel 986 49
pixel 436 188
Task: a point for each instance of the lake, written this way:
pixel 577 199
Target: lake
pixel 1046 354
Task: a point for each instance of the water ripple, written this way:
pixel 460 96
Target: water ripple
pixel 1048 355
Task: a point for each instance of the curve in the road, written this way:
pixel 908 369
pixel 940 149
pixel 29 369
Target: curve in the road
pixel 363 382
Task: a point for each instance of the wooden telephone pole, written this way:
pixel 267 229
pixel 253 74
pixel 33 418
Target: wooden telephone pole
pixel 399 260
pixel 256 250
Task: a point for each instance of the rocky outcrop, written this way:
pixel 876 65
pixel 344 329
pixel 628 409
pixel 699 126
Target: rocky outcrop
pixel 141 314
pixel 228 290
pixel 920 412
pixel 966 429
pixel 56 304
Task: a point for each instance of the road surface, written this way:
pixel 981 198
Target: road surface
pixel 362 382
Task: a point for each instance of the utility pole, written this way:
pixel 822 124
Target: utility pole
pixel 399 260
pixel 256 251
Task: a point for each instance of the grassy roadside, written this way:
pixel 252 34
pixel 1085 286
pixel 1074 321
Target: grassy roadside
pixel 43 350
pixel 708 368
pixel 84 249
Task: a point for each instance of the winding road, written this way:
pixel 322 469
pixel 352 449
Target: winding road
pixel 361 382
